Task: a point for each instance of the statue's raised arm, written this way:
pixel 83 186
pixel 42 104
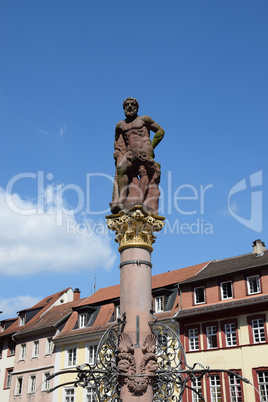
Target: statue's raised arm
pixel 137 174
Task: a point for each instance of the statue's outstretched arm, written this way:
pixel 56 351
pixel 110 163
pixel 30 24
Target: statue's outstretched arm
pixel 158 130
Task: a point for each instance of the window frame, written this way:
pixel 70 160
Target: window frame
pixel 65 389
pixel 195 295
pixel 7 377
pixel 44 387
pixel 223 333
pixel 49 345
pixel 250 328
pixel 188 343
pixel 232 291
pixel 205 337
pixel 67 351
pixel 162 302
pixel 90 345
pixel 17 385
pixel 249 293
pixel 86 393
pixel 82 320
pixel 22 351
pixel 35 352
pixel 228 387
pixel 191 393
pixel 32 381
pixel 22 319
pixel 255 372
pixel 117 314
pixel 208 386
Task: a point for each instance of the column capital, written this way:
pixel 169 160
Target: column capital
pixel 135 227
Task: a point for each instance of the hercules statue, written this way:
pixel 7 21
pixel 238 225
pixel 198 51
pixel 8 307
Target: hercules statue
pixel 137 174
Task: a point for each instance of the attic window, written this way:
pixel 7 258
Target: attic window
pixel 159 304
pixel 22 319
pixel 82 320
pixel 226 290
pixel 117 312
pixel 253 283
pixel 199 295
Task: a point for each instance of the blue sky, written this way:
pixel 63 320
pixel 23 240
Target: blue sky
pixel 198 67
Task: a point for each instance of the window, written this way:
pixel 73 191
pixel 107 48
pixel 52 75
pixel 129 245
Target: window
pixel 1 350
pixel 22 351
pixel 211 332
pixel 199 295
pixel 71 356
pixel 90 395
pixel 117 312
pixel 35 348
pixel 19 383
pixel 32 384
pixel 9 372
pixel 69 395
pixel 46 381
pixel 234 388
pixel 226 290
pixel 193 337
pixel 49 346
pixel 262 377
pixel 258 330
pixel 11 348
pixel 215 388
pixel 197 393
pixel 230 334
pixel 253 283
pixel 91 353
pixel 22 320
pixel 159 304
pixel 82 320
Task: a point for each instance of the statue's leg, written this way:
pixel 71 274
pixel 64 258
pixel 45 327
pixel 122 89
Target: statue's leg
pixel 122 180
pixel 152 199
pixel 144 182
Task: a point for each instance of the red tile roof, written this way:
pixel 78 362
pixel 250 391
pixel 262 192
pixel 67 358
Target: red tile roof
pixel 50 318
pixel 43 305
pixel 165 279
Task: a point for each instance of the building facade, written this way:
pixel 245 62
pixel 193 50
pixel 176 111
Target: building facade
pixel 219 308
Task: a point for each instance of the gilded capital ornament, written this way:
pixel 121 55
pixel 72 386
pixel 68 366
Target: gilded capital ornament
pixel 135 227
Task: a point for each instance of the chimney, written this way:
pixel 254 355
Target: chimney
pixel 76 294
pixel 258 247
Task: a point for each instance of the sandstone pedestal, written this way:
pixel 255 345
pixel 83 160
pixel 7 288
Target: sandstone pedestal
pixel 137 361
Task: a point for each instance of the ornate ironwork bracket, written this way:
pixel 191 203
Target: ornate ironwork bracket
pixel 170 379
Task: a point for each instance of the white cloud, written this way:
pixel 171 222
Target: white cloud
pixel 11 305
pixel 49 240
pixel 234 207
pixel 63 129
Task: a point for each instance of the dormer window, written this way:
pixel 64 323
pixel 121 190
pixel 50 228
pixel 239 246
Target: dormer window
pixel 253 283
pixel 117 312
pixel 199 295
pixel 159 304
pixel 22 319
pixel 226 290
pixel 82 320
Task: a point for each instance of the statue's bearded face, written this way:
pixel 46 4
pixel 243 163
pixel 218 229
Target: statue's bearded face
pixel 130 108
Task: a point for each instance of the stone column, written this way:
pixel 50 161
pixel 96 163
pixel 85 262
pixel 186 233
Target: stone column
pixel 134 233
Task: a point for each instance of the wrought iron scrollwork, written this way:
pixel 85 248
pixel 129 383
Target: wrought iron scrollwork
pixel 164 366
pixel 174 375
pixel 102 377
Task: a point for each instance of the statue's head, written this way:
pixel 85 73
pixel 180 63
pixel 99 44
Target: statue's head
pixel 131 107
